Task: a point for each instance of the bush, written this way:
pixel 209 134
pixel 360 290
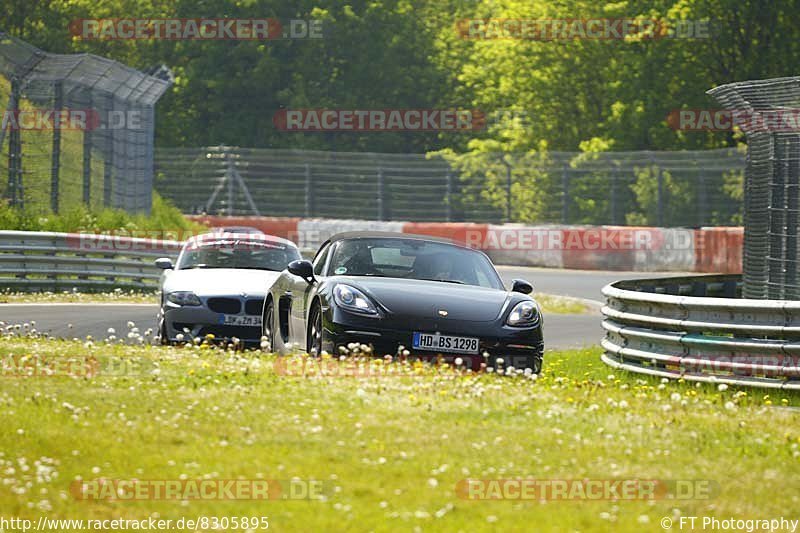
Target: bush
pixel 164 216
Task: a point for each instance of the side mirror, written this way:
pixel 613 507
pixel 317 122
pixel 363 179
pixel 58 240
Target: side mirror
pixel 303 269
pixel 164 263
pixel 520 285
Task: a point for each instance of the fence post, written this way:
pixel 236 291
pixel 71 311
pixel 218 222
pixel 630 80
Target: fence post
pixel 229 176
pixel 564 194
pixel 309 193
pixel 108 165
pixel 380 199
pixel 87 161
pixel 614 194
pixel 448 196
pixel 58 103
pixel 792 199
pixel 702 197
pixel 659 193
pixel 14 149
pixel 508 190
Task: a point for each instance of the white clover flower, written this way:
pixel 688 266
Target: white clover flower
pixel 722 387
pixel 459 361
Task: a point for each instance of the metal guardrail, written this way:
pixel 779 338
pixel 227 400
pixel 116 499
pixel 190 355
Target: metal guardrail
pixel 41 261
pixel 696 328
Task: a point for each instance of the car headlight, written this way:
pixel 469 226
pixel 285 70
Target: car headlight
pixel 183 298
pixel 353 299
pixel 523 314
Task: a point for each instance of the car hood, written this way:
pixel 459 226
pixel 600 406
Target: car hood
pixel 220 281
pixel 424 299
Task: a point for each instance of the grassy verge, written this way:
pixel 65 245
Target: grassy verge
pixel 118 296
pixel 561 305
pixel 198 412
pixel 550 303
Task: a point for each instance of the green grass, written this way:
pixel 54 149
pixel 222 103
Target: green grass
pixel 117 296
pixel 562 305
pixel 390 450
pixel 550 304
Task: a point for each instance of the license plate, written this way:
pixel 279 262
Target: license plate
pixel 445 343
pixel 239 320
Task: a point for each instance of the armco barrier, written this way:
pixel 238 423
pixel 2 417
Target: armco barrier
pixel 620 248
pixel 697 329
pixel 40 261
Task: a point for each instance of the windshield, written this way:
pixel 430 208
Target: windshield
pixel 257 255
pixel 413 259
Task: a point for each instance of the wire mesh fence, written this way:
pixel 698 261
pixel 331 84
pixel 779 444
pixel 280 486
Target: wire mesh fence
pixel 77 129
pixel 690 188
pixel 768 111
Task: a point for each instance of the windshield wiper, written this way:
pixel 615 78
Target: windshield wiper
pixel 442 280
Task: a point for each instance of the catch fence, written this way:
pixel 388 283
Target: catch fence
pixel 687 188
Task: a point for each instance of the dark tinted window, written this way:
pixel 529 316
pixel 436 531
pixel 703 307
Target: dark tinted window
pixel 413 259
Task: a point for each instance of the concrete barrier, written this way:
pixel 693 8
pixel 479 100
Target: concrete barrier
pixel 620 248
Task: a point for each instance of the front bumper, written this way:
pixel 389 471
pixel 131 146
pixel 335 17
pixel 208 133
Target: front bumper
pixel 200 321
pixel 518 347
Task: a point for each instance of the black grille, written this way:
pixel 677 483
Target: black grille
pixel 227 332
pixel 230 306
pixel 254 306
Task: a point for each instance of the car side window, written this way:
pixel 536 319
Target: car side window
pixel 319 262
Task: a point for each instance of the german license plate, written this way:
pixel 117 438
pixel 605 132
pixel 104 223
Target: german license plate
pixel 239 320
pixel 444 343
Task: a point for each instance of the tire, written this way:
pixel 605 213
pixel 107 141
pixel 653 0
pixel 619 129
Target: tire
pixel 267 323
pixel 314 337
pixel 162 333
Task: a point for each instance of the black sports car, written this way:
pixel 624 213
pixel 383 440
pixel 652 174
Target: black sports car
pixel 430 296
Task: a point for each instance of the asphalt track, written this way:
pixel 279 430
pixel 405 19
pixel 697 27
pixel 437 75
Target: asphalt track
pixel 561 331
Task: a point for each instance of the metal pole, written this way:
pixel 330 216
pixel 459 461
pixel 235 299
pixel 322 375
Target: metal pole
pixel 229 177
pixel 508 190
pixel 380 199
pixel 448 197
pixel 309 191
pixel 108 165
pixel 614 194
pixel 14 146
pixel 702 197
pixel 660 196
pixel 58 103
pixel 564 194
pixel 87 161
pixel 792 206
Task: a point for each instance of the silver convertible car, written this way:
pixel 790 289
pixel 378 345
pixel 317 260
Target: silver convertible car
pixel 218 285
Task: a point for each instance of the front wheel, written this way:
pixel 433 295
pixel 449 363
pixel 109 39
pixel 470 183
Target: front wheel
pixel 314 342
pixel 162 333
pixel 266 326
